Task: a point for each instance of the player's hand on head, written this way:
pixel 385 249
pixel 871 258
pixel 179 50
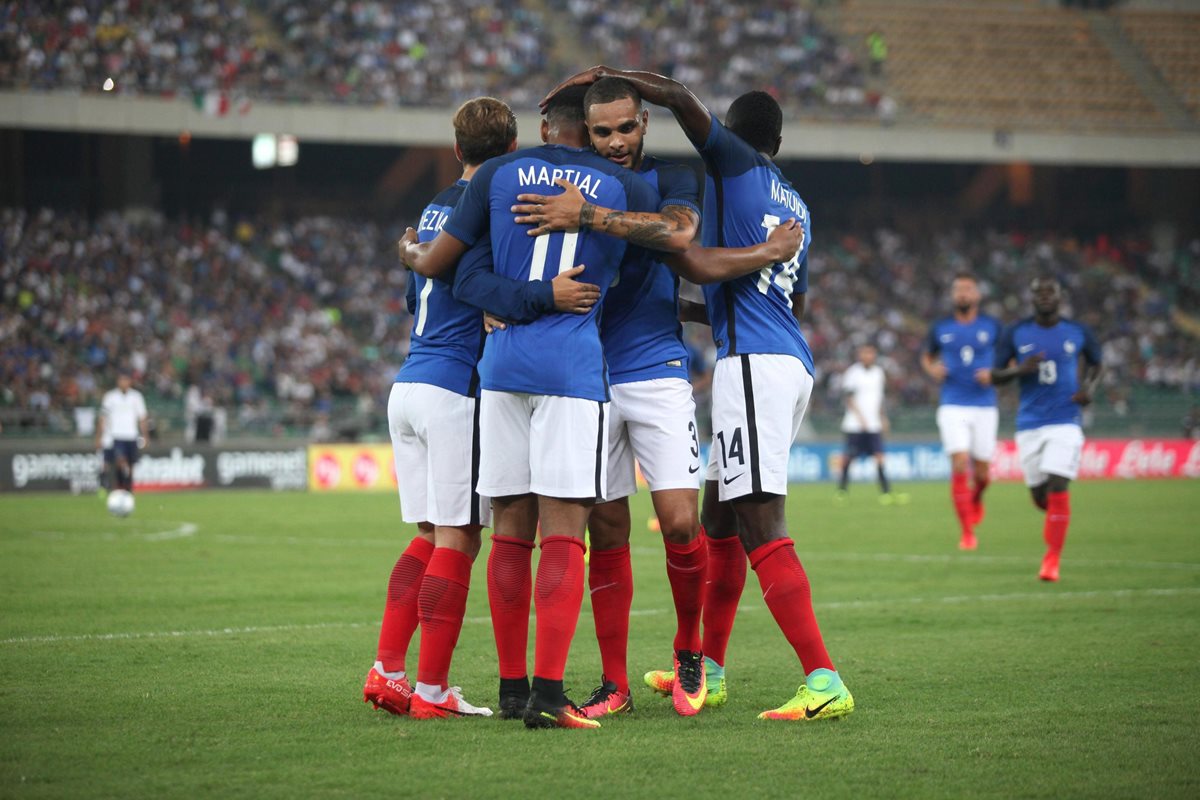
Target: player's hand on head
pixel 548 213
pixel 491 323
pixel 585 78
pixel 786 240
pixel 570 295
pixel 982 376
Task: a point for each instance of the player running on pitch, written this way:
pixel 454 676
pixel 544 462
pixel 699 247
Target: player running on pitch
pixel 763 377
pixel 652 414
pixel 959 353
pixel 1044 352
pixel 124 422
pixel 865 422
pixel 434 423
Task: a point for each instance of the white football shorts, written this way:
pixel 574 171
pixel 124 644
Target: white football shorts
pixel 546 444
pixel 759 401
pixel 653 421
pixel 435 445
pixel 1050 450
pixel 969 429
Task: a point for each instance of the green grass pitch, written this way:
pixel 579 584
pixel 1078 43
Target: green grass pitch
pixel 215 644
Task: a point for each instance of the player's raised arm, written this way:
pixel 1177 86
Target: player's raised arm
pixel 660 90
pixel 703 265
pixel 670 230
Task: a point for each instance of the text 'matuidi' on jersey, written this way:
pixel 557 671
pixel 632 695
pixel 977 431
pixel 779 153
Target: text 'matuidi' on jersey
pixel 1046 394
pixel 640 328
pixel 964 348
pixel 558 354
pixel 446 334
pixel 745 198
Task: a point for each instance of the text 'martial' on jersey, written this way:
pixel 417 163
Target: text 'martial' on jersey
pixel 558 354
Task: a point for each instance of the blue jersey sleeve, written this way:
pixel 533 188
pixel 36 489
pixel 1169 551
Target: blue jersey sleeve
pixel 1091 348
pixel 1006 348
pixel 932 345
pixel 801 284
pixel 410 295
pixel 476 283
pixel 678 187
pixel 471 218
pixel 727 151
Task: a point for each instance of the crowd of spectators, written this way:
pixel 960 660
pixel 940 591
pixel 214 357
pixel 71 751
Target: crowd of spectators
pixel 276 323
pixel 301 326
pixel 421 52
pixel 720 49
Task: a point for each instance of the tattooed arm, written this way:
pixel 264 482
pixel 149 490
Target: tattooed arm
pixel 669 231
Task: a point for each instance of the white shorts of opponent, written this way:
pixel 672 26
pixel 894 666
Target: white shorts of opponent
pixel 545 444
pixel 969 429
pixel 759 401
pixel 1050 450
pixel 435 445
pixel 653 421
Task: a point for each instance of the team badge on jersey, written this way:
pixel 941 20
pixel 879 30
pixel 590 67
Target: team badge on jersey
pixel 1069 347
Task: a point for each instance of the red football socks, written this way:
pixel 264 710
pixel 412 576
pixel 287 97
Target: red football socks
pixel 400 612
pixel 964 507
pixel 687 569
pixel 1058 517
pixel 558 598
pixel 787 593
pixel 610 579
pixel 726 579
pixel 509 588
pixel 442 603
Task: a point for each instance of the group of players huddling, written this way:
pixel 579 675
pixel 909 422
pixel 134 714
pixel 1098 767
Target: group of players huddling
pixel 547 355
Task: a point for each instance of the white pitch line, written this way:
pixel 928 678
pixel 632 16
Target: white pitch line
pixel 1049 594
pixel 183 531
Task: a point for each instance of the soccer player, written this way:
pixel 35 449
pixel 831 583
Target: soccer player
pixel 544 403
pixel 433 415
pixel 652 413
pixel 123 418
pixel 1044 353
pixel 763 377
pixel 958 354
pixel 865 422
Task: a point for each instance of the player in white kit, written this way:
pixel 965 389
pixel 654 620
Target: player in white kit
pixel 123 417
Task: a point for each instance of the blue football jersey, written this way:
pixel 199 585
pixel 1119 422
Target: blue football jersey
pixel 1046 394
pixel 640 328
pixel 557 354
pixel 447 335
pixel 965 347
pixel 745 198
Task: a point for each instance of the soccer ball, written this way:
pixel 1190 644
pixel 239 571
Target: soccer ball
pixel 120 503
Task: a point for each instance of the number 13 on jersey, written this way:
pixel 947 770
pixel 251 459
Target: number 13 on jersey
pixel 785 279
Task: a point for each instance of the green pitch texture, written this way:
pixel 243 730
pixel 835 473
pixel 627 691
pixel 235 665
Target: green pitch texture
pixel 215 645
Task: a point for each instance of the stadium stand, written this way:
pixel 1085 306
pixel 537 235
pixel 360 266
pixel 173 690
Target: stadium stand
pixel 1001 64
pixel 285 325
pixel 1168 40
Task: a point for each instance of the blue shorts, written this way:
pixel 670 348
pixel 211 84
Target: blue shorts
pixel 127 449
pixel 110 455
pixel 863 444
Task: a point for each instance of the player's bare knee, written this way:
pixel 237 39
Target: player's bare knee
pixel 959 462
pixel 679 526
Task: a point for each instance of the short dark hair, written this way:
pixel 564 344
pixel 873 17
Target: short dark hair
pixel 757 118
pixel 566 107
pixel 1045 277
pixel 963 275
pixel 609 90
pixel 484 128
